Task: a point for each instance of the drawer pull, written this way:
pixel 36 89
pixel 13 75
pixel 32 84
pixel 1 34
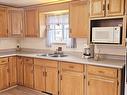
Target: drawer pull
pixel 71 67
pixel 101 72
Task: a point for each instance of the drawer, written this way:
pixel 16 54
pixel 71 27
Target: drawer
pixel 72 66
pixel 102 71
pixel 27 60
pixel 3 60
pixel 47 63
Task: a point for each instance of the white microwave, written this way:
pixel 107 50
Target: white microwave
pixel 106 35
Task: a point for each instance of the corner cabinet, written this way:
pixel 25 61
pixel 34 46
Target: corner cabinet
pixel 15 22
pixel 79 19
pixel 3 22
pixel 102 8
pixel 31 22
pixel 71 79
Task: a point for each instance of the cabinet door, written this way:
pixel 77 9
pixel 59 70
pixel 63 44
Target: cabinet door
pixel 15 22
pixel 28 72
pixel 12 71
pixel 97 8
pixel 101 86
pixel 52 80
pixel 31 23
pixel 4 82
pixel 114 7
pixel 79 19
pixel 20 71
pixel 3 22
pixel 72 83
pixel 39 78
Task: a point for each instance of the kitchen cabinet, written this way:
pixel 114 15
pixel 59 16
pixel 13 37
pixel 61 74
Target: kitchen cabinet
pixel 71 79
pixel 20 71
pixel 12 71
pixel 3 22
pixel 15 22
pixel 102 8
pixel 46 76
pixel 102 78
pixel 4 81
pixel 79 19
pixel 28 72
pixel 31 22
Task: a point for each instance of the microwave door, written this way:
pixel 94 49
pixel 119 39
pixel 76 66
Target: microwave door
pixel 102 35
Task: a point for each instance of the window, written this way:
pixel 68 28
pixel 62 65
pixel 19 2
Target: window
pixel 58 29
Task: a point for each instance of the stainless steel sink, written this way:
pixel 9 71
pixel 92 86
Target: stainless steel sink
pixel 53 55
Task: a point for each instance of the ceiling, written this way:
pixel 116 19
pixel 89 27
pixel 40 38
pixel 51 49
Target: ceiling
pixel 26 2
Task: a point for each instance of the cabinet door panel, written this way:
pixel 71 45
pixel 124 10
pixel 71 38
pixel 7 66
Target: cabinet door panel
pixel 39 78
pixel 28 75
pixel 4 82
pixel 101 86
pixel 20 71
pixel 114 7
pixel 3 22
pixel 12 71
pixel 79 17
pixel 72 83
pixel 97 8
pixel 52 80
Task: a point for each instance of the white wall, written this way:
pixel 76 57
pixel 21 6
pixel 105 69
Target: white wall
pixel 34 43
pixel 7 43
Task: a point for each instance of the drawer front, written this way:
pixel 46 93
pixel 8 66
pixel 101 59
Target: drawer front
pixel 47 63
pixel 28 60
pixel 3 60
pixel 71 66
pixel 102 71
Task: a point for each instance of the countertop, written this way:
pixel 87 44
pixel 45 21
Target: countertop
pixel 112 63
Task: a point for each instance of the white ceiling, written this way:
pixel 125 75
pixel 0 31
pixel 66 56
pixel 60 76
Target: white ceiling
pixel 26 2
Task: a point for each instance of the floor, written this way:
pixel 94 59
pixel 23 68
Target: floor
pixel 19 90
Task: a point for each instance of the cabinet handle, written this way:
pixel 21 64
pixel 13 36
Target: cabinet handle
pixel 103 7
pixel 101 72
pixel 71 67
pixel 108 6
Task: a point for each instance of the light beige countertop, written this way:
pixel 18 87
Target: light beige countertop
pixel 113 63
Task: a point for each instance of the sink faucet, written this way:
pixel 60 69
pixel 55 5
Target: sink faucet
pixel 58 51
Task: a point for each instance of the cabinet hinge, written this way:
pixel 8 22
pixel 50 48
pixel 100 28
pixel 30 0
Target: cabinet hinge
pixel 58 71
pixel 118 83
pixel 60 77
pixel 88 83
pixel 58 92
pixel 84 77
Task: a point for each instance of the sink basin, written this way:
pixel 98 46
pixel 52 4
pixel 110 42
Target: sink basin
pixel 52 55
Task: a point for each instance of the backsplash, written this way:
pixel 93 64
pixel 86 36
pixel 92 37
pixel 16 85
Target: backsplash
pixel 7 43
pixel 34 43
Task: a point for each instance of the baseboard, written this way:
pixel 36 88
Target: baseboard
pixel 8 88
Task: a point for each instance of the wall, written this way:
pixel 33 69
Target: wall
pixel 7 43
pixel 34 43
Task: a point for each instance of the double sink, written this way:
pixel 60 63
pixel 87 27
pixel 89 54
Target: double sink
pixel 52 55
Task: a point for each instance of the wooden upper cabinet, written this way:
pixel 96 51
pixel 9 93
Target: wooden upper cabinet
pixel 12 71
pixel 101 86
pixel 15 22
pixel 3 22
pixel 102 8
pixel 31 22
pixel 97 8
pixel 79 19
pixel 115 7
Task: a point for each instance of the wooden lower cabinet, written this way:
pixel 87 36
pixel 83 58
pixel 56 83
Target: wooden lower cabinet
pixel 12 71
pixel 20 70
pixel 71 79
pixel 46 76
pixel 39 78
pixel 28 72
pixel 72 83
pixel 102 86
pixel 52 80
pixel 4 81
